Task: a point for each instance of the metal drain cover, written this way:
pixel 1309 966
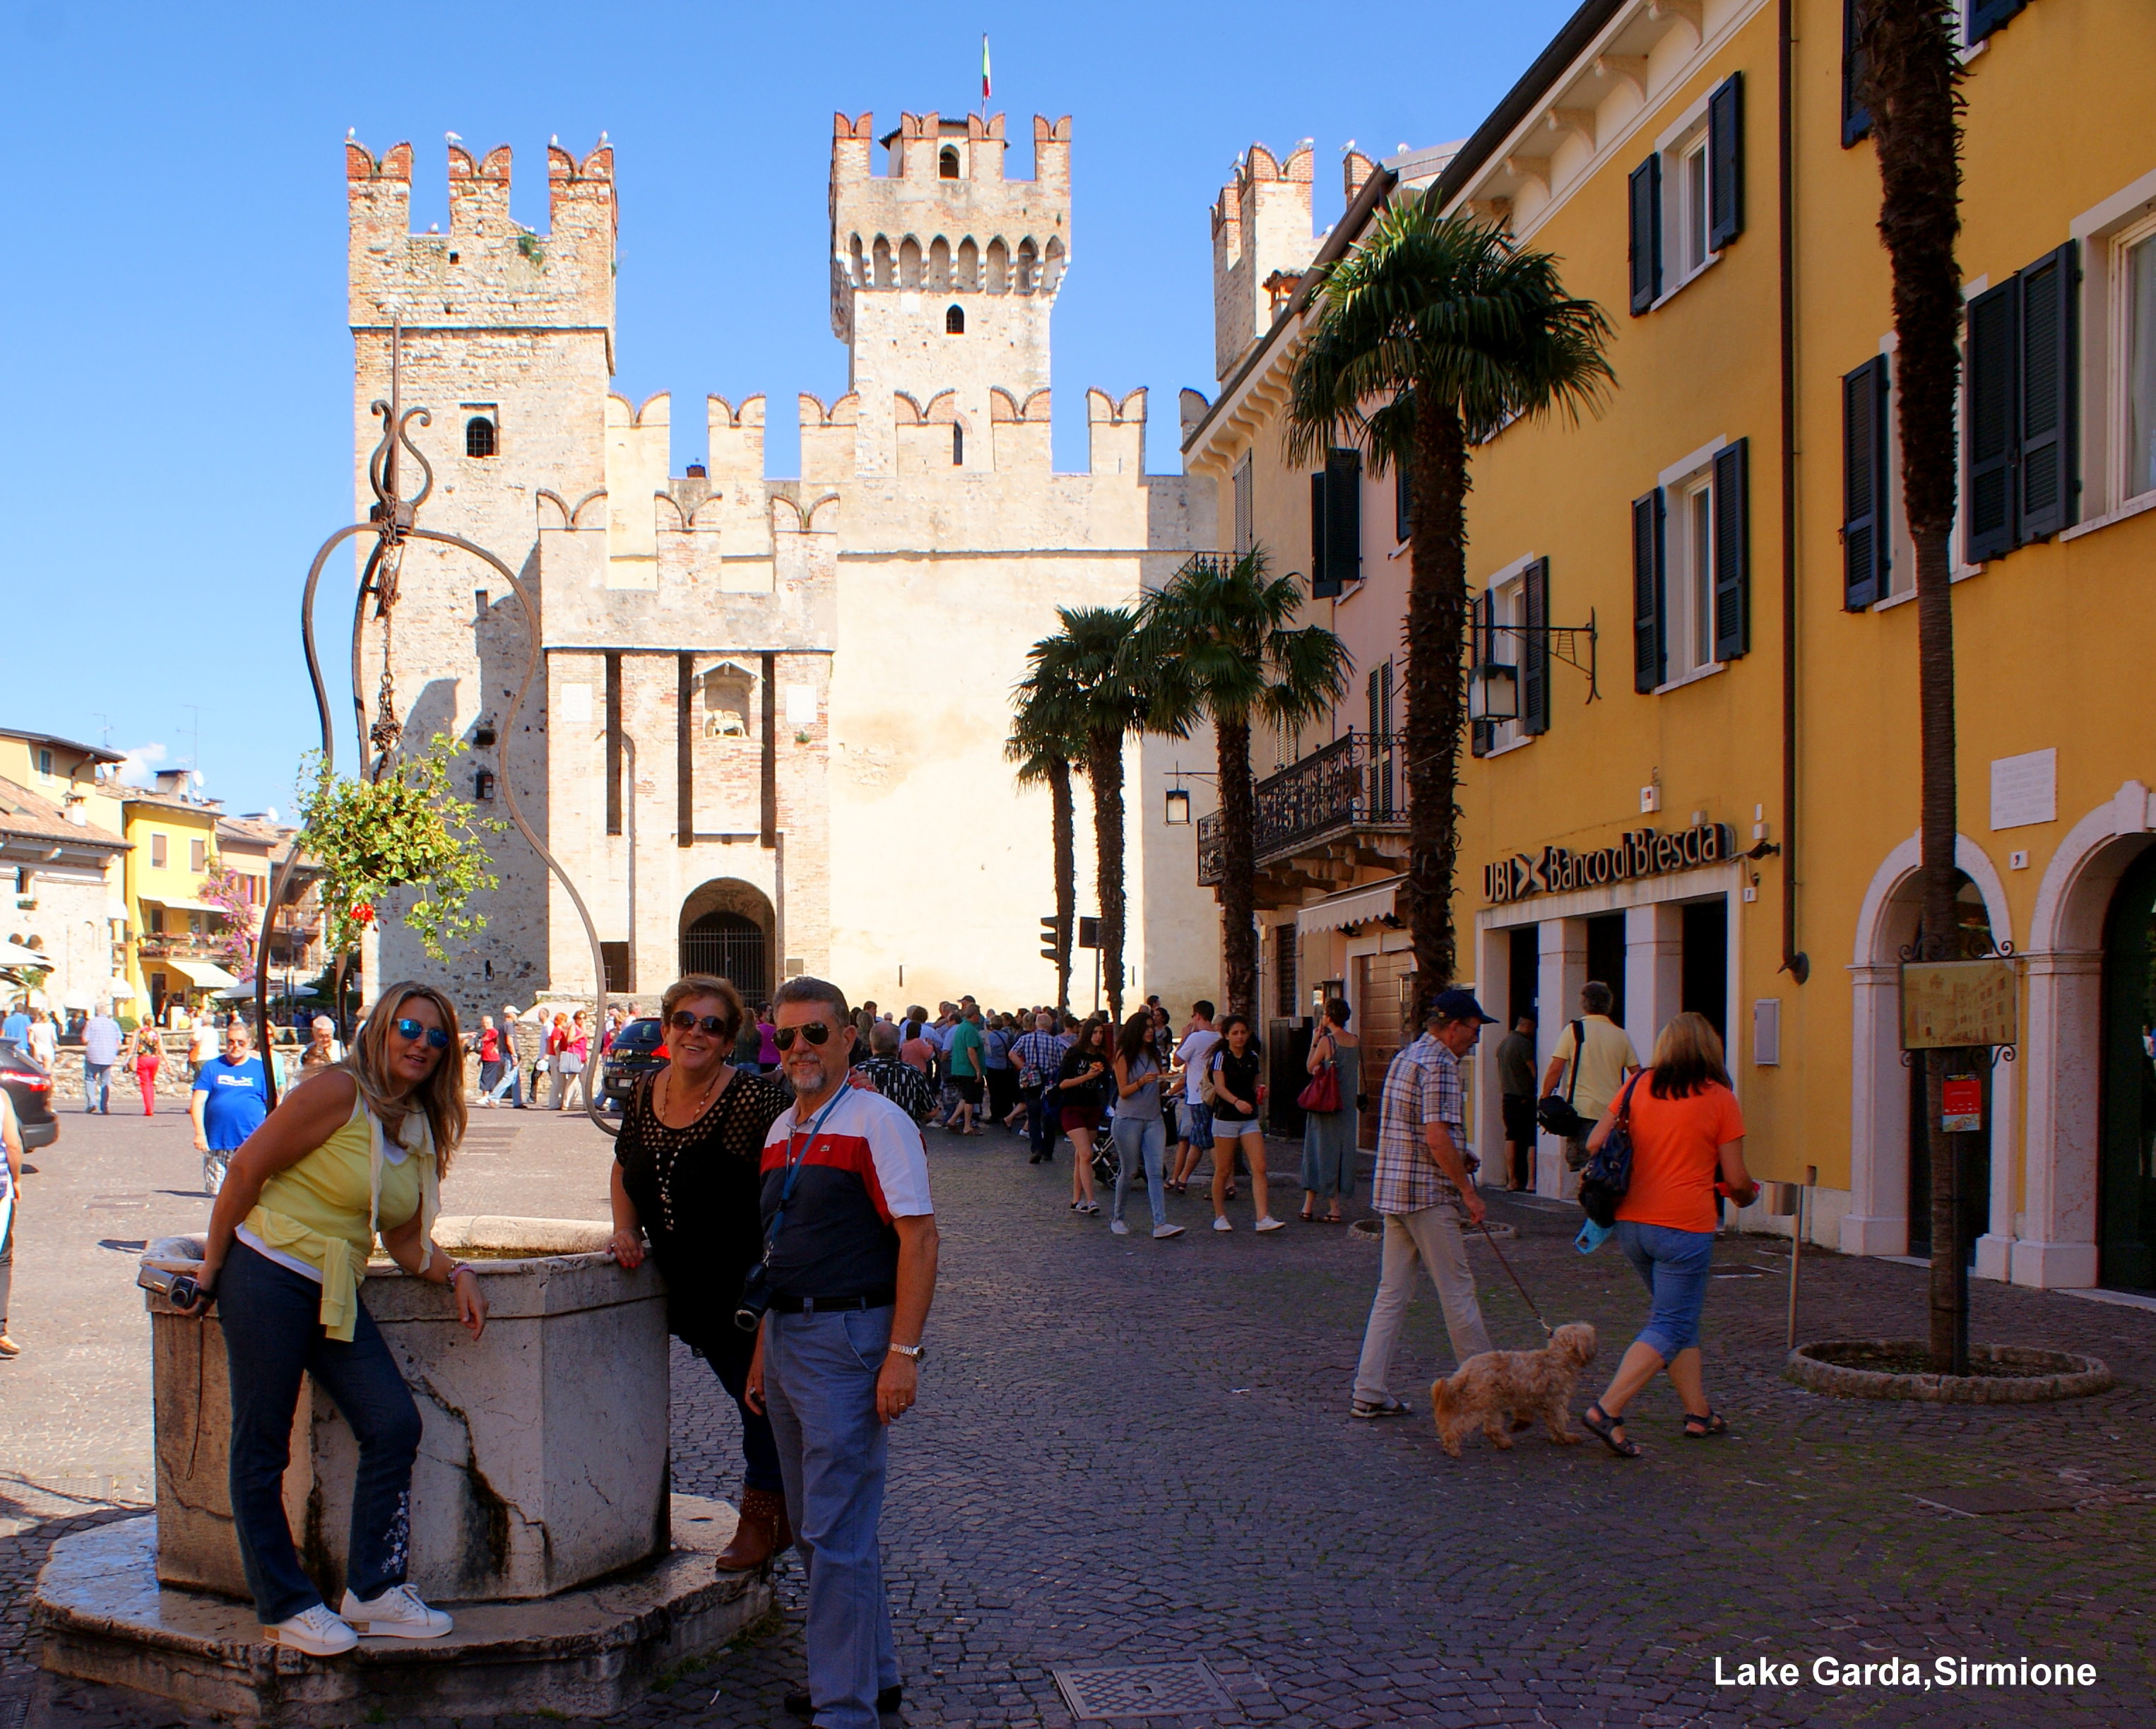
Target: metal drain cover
pixel 1142 1690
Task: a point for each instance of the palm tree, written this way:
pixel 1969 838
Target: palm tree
pixel 1433 333
pixel 1218 641
pixel 1107 696
pixel 1911 69
pixel 1041 746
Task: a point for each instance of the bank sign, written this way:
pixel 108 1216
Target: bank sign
pixel 1642 853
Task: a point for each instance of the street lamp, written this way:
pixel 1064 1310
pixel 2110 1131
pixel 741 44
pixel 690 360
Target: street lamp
pixel 1493 693
pixel 1178 807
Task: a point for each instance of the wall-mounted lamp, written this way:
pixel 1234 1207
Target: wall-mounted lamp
pixel 1493 693
pixel 1178 807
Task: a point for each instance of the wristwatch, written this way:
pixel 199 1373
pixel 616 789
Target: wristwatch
pixel 919 1353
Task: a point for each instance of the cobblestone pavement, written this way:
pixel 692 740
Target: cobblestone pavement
pixel 1133 1452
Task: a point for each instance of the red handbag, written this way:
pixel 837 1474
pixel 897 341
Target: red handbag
pixel 1323 1091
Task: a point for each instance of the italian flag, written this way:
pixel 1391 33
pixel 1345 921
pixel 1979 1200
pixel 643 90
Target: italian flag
pixel 985 69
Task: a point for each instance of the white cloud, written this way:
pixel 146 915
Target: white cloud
pixel 139 767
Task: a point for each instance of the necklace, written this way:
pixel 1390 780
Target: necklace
pixel 709 1087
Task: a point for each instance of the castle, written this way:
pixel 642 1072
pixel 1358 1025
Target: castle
pixel 774 711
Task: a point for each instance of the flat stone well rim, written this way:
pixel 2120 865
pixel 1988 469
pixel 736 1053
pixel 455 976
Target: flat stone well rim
pixel 534 1241
pixel 2072 1376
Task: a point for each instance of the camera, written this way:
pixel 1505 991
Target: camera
pixel 755 1298
pixel 182 1290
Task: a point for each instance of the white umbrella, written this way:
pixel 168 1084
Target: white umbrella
pixel 17 954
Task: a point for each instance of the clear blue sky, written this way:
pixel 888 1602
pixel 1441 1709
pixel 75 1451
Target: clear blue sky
pixel 174 436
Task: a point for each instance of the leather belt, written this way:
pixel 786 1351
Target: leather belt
pixel 826 1305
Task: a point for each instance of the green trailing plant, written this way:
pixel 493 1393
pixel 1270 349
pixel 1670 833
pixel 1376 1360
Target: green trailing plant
pixel 527 243
pixel 407 831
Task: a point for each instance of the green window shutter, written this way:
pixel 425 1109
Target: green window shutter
pixel 1993 369
pixel 1644 188
pixel 1866 485
pixel 1649 650
pixel 2045 400
pixel 1733 550
pixel 1534 649
pixel 1725 162
pixel 1322 586
pixel 1343 518
pixel 1856 117
pixel 1985 16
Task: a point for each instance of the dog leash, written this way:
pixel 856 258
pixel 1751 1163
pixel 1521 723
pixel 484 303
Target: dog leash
pixel 1484 1225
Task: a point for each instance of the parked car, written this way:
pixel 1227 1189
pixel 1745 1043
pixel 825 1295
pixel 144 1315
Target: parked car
pixel 30 1089
pixel 636 1049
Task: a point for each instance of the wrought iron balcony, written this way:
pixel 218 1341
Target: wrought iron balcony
pixel 1354 787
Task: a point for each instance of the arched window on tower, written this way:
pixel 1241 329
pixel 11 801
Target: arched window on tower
pixel 886 272
pixel 939 266
pixel 954 322
pixel 909 263
pixel 957 446
pixel 946 164
pixel 999 267
pixel 479 436
pixel 967 275
pixel 1029 261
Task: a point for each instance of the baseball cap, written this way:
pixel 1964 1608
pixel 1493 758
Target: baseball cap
pixel 1459 1005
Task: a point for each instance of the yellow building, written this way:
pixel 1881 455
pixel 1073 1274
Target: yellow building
pixel 1730 825
pixel 171 950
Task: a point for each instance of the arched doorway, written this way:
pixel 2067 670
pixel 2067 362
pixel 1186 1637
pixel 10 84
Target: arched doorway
pixel 2126 1199
pixel 727 929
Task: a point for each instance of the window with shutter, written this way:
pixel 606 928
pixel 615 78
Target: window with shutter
pixel 1725 162
pixel 1993 367
pixel 1648 648
pixel 2045 400
pixel 1343 518
pixel 1865 484
pixel 1986 16
pixel 1481 614
pixel 1733 551
pixel 1644 188
pixel 1322 587
pixel 1383 754
pixel 1534 648
pixel 1856 117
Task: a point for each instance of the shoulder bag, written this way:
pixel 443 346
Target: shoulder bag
pixel 1609 1173
pixel 1559 1116
pixel 1323 1094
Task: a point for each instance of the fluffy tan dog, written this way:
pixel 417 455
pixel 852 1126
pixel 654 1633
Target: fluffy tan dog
pixel 1522 1384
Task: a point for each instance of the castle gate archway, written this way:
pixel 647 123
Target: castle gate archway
pixel 726 928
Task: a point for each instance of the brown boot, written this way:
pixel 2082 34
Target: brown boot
pixel 761 1532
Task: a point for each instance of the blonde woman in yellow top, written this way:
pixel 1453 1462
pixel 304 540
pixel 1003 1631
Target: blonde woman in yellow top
pixel 355 1151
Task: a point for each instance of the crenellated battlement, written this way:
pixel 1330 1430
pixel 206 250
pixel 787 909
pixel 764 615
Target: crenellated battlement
pixel 1261 233
pixel 488 270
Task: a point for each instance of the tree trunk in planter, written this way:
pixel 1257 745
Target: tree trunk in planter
pixel 1436 629
pixel 1239 868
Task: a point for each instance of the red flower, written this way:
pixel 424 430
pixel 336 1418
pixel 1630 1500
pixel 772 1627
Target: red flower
pixel 363 913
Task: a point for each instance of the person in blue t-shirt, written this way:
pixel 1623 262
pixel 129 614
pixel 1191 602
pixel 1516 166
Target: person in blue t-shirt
pixel 16 1026
pixel 231 1098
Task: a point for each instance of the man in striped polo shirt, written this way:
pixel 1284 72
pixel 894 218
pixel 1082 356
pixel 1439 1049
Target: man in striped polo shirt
pixel 850 1239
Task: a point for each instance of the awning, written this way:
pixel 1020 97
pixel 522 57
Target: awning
pixel 202 974
pixel 174 904
pixel 1355 906
pixel 17 954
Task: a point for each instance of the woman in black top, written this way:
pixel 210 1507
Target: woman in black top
pixel 1235 1065
pixel 688 1177
pixel 1081 1090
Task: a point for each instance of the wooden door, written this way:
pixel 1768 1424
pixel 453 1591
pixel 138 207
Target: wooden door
pixel 1379 1015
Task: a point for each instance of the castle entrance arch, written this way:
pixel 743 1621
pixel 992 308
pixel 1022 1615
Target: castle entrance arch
pixel 726 928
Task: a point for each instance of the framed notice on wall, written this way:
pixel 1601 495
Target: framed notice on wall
pixel 1950 1003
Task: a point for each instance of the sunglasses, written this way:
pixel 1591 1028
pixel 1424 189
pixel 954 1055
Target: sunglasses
pixel 816 1033
pixel 413 1032
pixel 686 1022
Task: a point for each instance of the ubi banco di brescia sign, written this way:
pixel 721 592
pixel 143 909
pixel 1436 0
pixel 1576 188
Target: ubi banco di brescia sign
pixel 1642 853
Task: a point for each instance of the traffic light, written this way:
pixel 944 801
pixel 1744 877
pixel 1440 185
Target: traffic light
pixel 1052 938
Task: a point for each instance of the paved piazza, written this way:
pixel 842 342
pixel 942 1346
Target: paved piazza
pixel 1129 1452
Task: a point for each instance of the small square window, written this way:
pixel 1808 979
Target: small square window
pixel 197 856
pixel 45 763
pixel 158 844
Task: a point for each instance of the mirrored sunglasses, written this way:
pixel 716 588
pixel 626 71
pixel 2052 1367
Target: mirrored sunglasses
pixel 816 1033
pixel 413 1032
pixel 684 1021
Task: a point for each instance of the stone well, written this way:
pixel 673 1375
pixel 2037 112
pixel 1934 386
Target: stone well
pixel 543 1456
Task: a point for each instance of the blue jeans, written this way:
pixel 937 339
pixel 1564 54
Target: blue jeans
pixel 729 1354
pixel 96 1088
pixel 1675 1265
pixel 1040 1131
pixel 511 1083
pixel 820 1376
pixel 273 1334
pixel 1145 1137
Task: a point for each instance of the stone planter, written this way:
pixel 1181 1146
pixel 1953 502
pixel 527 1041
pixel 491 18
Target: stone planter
pixel 543 1459
pixel 2036 1376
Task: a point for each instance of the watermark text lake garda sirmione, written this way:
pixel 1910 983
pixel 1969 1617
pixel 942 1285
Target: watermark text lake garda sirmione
pixel 1903 1673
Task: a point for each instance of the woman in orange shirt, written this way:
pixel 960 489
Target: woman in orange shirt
pixel 1686 1130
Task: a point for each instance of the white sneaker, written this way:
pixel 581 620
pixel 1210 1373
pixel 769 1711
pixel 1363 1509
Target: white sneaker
pixel 315 1631
pixel 397 1613
pixel 1118 1227
pixel 1222 1224
pixel 1163 1231
pixel 1267 1223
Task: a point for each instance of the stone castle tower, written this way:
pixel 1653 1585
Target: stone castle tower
pixel 773 709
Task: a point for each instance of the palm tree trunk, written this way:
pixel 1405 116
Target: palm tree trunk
pixel 1104 771
pixel 1239 868
pixel 1061 824
pixel 1909 48
pixel 1436 626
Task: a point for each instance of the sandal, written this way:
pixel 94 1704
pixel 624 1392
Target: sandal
pixel 1307 1217
pixel 1604 1428
pixel 1698 1428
